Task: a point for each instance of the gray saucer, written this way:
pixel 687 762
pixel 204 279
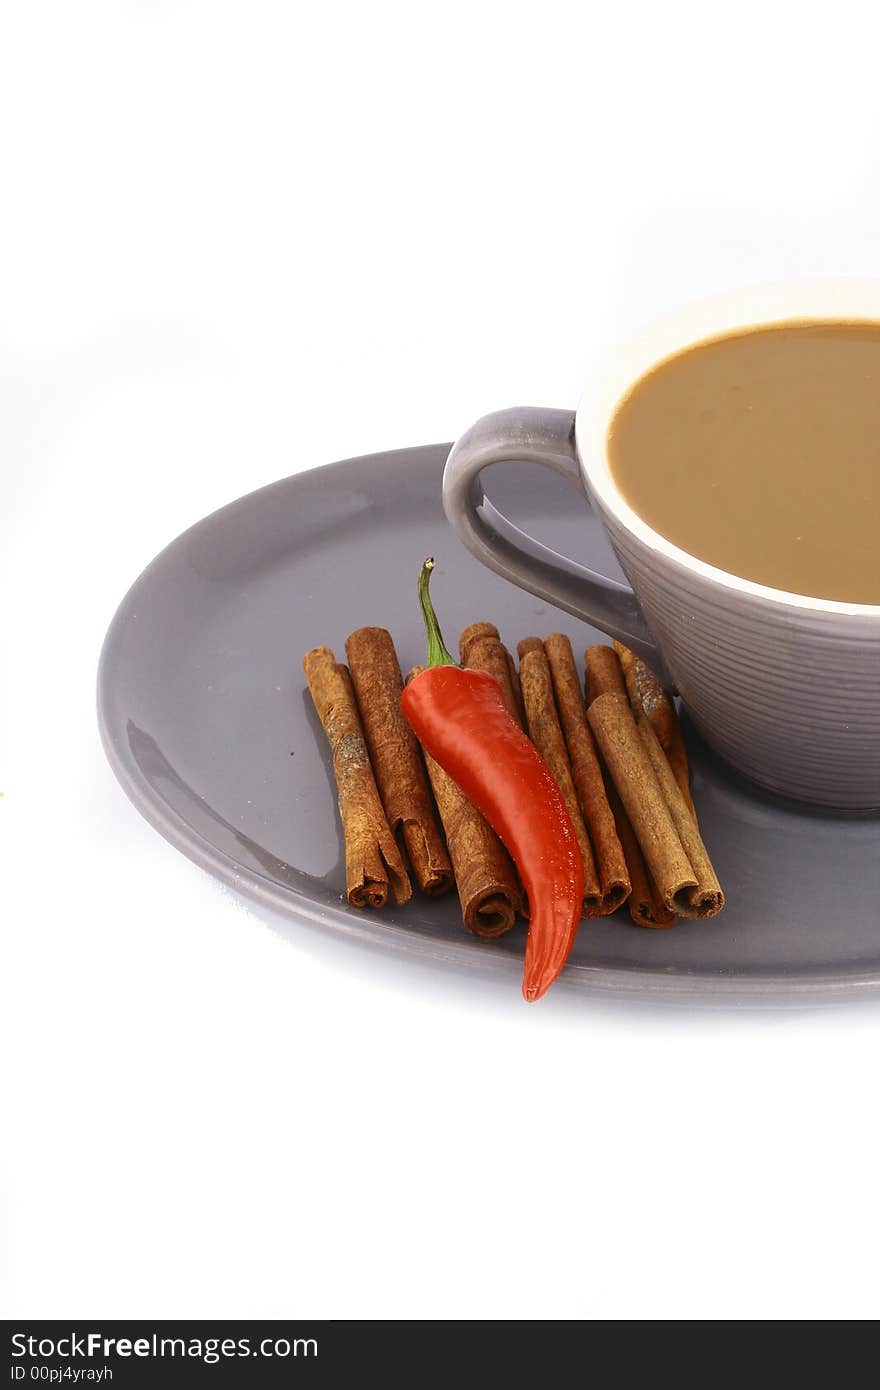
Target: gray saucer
pixel 208 726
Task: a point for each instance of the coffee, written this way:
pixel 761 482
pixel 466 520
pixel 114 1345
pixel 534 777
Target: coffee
pixel 759 452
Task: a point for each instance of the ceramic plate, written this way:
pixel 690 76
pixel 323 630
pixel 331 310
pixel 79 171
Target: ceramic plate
pixel 210 729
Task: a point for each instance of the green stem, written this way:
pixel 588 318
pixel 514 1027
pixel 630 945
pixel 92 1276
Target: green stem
pixel 437 653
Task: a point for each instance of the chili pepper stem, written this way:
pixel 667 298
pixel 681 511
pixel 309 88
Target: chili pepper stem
pixel 437 653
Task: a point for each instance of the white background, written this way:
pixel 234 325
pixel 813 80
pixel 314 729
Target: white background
pixel 238 240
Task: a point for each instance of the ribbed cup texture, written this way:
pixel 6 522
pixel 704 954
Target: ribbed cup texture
pixel 790 696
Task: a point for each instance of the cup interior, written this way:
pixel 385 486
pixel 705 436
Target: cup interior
pixel 613 378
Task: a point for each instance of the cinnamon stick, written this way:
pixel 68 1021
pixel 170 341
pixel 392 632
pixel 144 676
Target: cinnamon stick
pixel 626 758
pixel 488 887
pixel 603 673
pixel 644 904
pixel 396 757
pixel 373 862
pixel 586 772
pixel 707 898
pixel 546 734
pixel 529 644
pixel 482 650
pixel 516 685
pixel 471 633
pixel 604 676
pixel 647 694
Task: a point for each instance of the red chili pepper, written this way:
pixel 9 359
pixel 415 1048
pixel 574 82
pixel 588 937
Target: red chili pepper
pixel 459 716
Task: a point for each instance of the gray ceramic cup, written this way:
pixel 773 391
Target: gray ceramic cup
pixel 786 688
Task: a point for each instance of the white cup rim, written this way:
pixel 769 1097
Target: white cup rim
pixel 850 299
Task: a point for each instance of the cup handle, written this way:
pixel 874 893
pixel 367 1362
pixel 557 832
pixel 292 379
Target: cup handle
pixel 532 434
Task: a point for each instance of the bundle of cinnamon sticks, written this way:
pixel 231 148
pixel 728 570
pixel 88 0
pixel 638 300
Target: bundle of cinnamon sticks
pixel 613 745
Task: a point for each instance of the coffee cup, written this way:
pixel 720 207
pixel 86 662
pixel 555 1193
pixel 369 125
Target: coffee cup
pixel 783 686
